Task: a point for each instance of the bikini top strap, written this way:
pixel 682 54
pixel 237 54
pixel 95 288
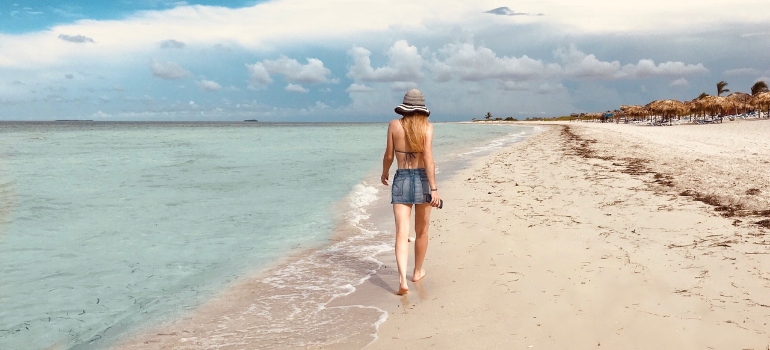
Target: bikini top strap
pixel 409 157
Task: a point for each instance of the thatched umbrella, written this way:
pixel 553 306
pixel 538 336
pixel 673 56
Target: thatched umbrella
pixel 667 108
pixel 594 116
pixel 762 100
pixel 714 104
pixel 741 101
pixel 635 110
pixel 692 107
pixel 618 115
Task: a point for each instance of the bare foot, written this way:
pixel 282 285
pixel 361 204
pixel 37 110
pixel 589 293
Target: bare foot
pixel 402 291
pixel 418 275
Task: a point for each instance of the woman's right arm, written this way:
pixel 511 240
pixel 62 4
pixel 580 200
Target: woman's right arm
pixel 387 158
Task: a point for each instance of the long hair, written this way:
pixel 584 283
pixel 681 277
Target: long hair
pixel 415 125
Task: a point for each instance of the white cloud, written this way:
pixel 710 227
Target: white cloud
pixel 101 115
pixel 471 63
pixel 403 86
pixel 171 44
pixel 578 64
pixel 652 16
pixel 259 74
pixel 296 88
pixel 258 27
pixel 209 85
pixel 514 86
pixel 65 12
pixel 647 68
pixel 742 71
pixel 404 64
pixel 265 23
pixel 681 82
pixel 311 73
pixel 167 70
pixel 748 35
pixel 547 89
pixel 78 39
pixel 505 11
pixel 358 88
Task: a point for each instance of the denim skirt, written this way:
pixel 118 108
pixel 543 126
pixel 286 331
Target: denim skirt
pixel 410 186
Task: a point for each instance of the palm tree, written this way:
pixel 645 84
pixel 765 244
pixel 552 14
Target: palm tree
pixel 488 116
pixel 759 87
pixel 702 95
pixel 721 88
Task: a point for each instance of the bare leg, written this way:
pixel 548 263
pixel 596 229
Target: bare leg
pixel 421 226
pixel 402 213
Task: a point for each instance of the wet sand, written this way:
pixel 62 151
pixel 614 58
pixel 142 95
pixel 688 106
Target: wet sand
pixel 600 236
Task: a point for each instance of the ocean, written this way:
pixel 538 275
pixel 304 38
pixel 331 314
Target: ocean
pixel 107 227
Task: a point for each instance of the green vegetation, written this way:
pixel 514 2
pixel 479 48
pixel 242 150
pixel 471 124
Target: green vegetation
pixel 721 88
pixel 488 117
pixel 550 119
pixel 758 88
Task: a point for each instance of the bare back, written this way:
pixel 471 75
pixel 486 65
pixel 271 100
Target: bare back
pixel 405 157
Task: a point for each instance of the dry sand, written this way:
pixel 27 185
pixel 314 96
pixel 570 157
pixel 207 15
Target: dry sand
pixel 600 236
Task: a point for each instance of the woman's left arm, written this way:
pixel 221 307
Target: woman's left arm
pixel 430 166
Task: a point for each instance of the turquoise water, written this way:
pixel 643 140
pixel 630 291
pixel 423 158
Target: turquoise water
pixel 105 226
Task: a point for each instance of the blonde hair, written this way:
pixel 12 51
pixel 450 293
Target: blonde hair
pixel 415 125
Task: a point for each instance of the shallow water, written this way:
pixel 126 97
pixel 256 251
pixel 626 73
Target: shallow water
pixel 107 226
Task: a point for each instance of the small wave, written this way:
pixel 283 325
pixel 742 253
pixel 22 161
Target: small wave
pixel 297 295
pixel 295 305
pixel 363 194
pixel 496 144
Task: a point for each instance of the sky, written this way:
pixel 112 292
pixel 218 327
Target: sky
pixel 353 60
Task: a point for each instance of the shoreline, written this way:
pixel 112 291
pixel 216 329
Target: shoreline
pixel 237 316
pixel 279 302
pixel 591 235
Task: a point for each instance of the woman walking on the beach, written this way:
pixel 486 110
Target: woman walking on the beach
pixel 410 141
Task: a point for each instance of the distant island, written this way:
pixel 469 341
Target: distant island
pixel 251 120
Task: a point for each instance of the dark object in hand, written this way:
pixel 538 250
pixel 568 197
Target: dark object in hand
pixel 440 201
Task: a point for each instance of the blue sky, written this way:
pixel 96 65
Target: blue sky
pixel 34 15
pixel 341 60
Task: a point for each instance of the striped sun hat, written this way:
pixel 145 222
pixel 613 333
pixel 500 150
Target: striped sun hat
pixel 414 101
